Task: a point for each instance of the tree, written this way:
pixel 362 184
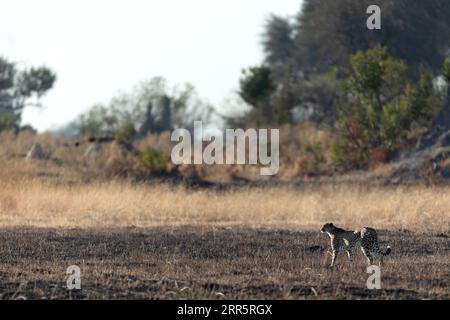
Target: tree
pixel 381 107
pixel 328 32
pixel 100 120
pixel 151 107
pixel 18 88
pixel 446 70
pixel 279 46
pixel 256 88
pixel 304 53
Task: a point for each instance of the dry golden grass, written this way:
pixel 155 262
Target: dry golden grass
pixel 71 193
pixel 44 203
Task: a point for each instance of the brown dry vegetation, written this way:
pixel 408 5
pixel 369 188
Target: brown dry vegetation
pixel 163 240
pixel 115 204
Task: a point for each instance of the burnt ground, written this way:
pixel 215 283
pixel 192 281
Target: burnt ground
pixel 213 263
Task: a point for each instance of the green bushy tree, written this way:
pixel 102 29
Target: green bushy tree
pixel 269 104
pixel 256 87
pixel 379 108
pixel 326 33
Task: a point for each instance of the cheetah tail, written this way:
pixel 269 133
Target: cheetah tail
pixel 388 251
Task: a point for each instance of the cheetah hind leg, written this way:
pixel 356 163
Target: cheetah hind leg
pixel 368 256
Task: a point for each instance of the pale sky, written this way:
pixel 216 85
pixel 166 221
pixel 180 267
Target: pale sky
pixel 98 47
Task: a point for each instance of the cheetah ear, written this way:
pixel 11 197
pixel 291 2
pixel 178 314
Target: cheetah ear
pixel 331 225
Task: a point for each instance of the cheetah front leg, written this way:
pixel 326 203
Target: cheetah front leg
pixel 333 258
pixel 335 245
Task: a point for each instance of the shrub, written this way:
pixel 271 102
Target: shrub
pixel 9 122
pixel 125 133
pixel 314 156
pixel 381 107
pixel 344 155
pixel 154 160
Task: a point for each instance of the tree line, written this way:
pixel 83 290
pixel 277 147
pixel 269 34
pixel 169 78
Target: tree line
pixel 372 87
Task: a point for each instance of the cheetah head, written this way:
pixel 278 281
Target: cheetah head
pixel 328 227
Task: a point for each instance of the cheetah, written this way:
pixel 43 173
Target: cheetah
pixel 367 238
